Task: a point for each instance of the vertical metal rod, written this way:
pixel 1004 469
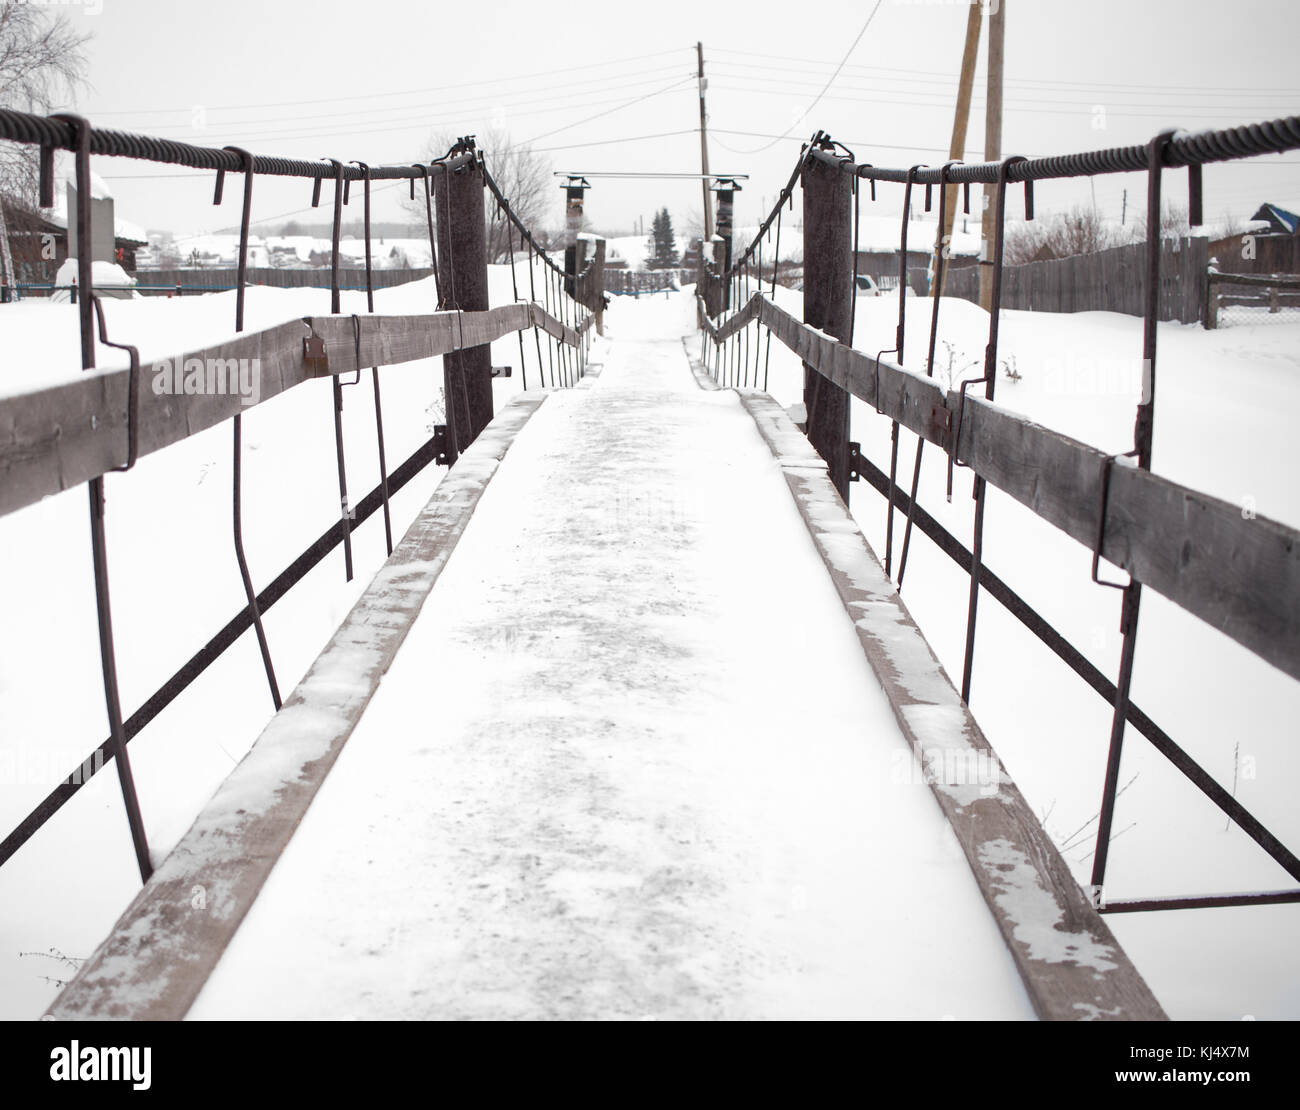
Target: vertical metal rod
pixel 335 308
pixel 374 370
pixel 990 385
pixel 237 482
pixel 744 284
pixel 936 290
pixel 98 542
pixel 514 285
pixel 1142 437
pixel 900 335
pixel 776 266
pixel 532 296
pixel 857 220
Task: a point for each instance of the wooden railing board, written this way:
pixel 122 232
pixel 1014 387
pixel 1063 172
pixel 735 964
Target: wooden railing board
pixel 1239 574
pixel 60 436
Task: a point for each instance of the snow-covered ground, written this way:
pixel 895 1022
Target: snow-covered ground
pixel 613 772
pixel 174 584
pixel 1223 425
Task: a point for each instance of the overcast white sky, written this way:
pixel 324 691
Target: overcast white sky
pixel 374 80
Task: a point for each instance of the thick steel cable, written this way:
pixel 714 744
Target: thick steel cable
pixel 52 131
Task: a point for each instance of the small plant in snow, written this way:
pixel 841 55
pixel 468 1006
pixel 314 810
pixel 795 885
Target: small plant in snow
pixel 950 373
pixel 1009 369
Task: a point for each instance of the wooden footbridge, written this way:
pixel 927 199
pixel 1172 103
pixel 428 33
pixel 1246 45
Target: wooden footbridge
pixel 519 781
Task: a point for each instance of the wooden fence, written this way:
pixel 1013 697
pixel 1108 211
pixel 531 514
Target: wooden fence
pixel 1262 295
pixel 193 279
pixel 646 281
pixel 1108 281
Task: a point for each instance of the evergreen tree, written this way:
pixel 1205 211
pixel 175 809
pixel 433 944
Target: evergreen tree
pixel 663 245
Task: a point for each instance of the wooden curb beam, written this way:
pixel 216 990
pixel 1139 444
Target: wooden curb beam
pixel 1071 965
pixel 1241 576
pixel 159 954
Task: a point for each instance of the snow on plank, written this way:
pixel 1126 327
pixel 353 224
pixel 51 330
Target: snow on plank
pixel 166 943
pixel 631 762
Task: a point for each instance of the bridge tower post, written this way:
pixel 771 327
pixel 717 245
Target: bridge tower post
pixel 462 261
pixel 726 188
pixel 828 294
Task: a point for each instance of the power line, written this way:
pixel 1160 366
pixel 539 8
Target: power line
pixel 817 99
pixel 1161 112
pixel 1206 110
pixel 612 142
pixel 400 92
pixel 423 119
pixel 1036 81
pixel 423 122
pixel 587 119
pixel 528 96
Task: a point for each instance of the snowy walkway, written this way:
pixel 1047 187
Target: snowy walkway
pixel 630 762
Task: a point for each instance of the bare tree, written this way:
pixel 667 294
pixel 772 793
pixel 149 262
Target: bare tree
pixel 1079 231
pixel 41 61
pixel 1173 223
pixel 522 175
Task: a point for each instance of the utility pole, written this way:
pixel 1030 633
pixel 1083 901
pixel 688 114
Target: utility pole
pixel 1123 212
pixel 957 149
pixel 992 148
pixel 704 149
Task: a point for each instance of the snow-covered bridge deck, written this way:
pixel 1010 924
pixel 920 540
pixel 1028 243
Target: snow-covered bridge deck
pixel 641 750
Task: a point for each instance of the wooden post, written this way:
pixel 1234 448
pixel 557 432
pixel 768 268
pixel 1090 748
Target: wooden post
pixel 574 190
pixel 462 261
pixel 726 189
pixel 828 305
pixel 718 286
pixel 957 148
pixel 598 286
pixel 704 148
pixel 992 148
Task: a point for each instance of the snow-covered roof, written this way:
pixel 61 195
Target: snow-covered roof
pixel 58 214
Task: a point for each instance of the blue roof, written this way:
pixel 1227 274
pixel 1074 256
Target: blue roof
pixel 1288 220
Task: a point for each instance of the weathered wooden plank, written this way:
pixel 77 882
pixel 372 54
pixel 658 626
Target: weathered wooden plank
pixel 915 401
pixel 1071 965
pixel 159 954
pixel 58 437
pixel 389 340
pixel 1242 576
pixel 565 334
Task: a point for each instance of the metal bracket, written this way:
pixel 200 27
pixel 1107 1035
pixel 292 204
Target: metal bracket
pixel 888 351
pixel 133 386
pixel 313 354
pixel 443 443
pixel 1106 464
pixel 855 462
pixel 941 418
pixel 956 435
pixel 501 371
